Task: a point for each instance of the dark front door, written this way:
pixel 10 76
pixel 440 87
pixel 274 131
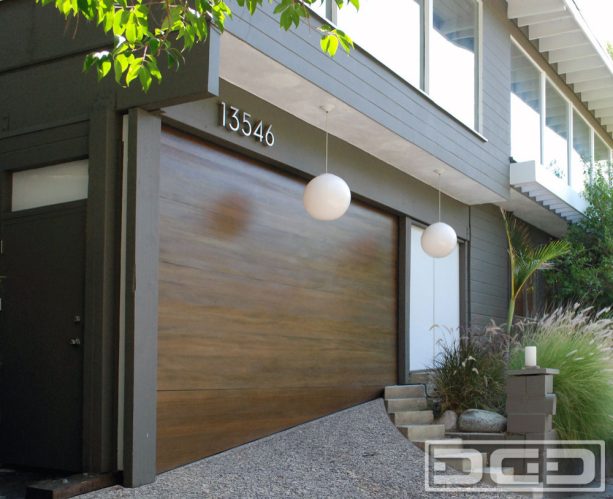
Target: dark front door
pixel 41 360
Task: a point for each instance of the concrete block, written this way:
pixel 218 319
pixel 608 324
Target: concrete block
pixel 549 435
pixel 409 404
pixel 404 391
pixel 532 405
pixel 412 417
pixel 529 423
pixel 516 385
pixel 539 385
pixel 421 433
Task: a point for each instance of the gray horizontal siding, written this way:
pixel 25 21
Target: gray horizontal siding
pixel 496 84
pixel 489 274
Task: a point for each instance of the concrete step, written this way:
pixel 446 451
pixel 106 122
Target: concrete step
pixel 422 377
pixel 423 432
pixel 404 391
pixel 449 444
pixel 412 417
pixel 471 435
pixel 458 462
pixel 487 475
pixel 408 404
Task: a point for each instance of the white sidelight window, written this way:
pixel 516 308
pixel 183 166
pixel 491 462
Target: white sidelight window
pixel 434 318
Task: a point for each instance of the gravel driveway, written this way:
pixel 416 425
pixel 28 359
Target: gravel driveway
pixel 356 453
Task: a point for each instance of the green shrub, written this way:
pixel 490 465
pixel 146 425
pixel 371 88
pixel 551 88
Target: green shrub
pixel 585 274
pixel 578 343
pixel 468 376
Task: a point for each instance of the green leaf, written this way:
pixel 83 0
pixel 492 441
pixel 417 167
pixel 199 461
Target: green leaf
pixel 104 66
pixel 345 41
pixel 145 78
pixel 285 20
pixel 109 19
pixel 131 29
pixel 329 44
pixel 88 62
pixel 135 65
pixel 152 65
pixel 119 22
pixel 117 70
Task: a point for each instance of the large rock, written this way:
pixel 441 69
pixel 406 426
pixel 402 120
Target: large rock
pixel 449 419
pixel 477 420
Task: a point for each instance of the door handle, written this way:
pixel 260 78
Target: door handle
pixel 74 342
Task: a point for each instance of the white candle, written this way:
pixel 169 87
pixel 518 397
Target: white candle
pixel 530 357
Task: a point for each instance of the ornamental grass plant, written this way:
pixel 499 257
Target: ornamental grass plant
pixel 467 375
pixel 578 342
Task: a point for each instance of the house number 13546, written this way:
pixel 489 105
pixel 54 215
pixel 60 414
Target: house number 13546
pixel 235 120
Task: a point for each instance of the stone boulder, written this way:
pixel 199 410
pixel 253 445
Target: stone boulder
pixel 480 421
pixel 449 419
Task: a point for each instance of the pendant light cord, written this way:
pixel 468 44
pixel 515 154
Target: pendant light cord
pixel 326 141
pixel 434 325
pixel 439 197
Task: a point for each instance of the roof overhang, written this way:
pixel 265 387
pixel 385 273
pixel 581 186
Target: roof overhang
pixel 245 67
pixel 538 187
pixel 563 36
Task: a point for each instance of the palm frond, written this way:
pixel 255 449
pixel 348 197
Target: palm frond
pixel 536 258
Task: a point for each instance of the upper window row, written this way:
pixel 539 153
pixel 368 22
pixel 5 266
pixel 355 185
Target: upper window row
pixel 546 127
pixel 440 60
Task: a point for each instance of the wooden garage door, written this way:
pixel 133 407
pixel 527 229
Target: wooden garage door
pixel 267 318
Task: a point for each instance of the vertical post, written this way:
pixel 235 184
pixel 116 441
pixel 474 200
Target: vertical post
pixel 404 282
pixel 99 440
pixel 531 405
pixel 142 255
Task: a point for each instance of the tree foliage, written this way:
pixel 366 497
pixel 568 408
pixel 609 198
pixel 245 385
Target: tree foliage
pixel 585 274
pixel 525 258
pixel 145 31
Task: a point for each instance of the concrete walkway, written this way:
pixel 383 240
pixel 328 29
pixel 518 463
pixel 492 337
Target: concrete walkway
pixel 356 453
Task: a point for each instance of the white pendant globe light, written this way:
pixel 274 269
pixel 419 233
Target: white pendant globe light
pixel 439 239
pixel 327 196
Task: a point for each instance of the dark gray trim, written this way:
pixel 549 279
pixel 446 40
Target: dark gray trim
pixel 6 191
pixel 44 147
pixel 142 254
pixel 464 287
pixel 404 298
pixel 101 277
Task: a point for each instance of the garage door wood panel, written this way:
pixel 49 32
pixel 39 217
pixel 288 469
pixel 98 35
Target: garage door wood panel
pixel 267 318
pixel 205 422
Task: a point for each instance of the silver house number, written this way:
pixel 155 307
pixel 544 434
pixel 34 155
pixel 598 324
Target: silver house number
pixel 237 121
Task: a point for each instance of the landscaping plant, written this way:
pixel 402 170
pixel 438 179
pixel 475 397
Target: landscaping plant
pixel 467 375
pixel 579 343
pixel 525 259
pixel 585 274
